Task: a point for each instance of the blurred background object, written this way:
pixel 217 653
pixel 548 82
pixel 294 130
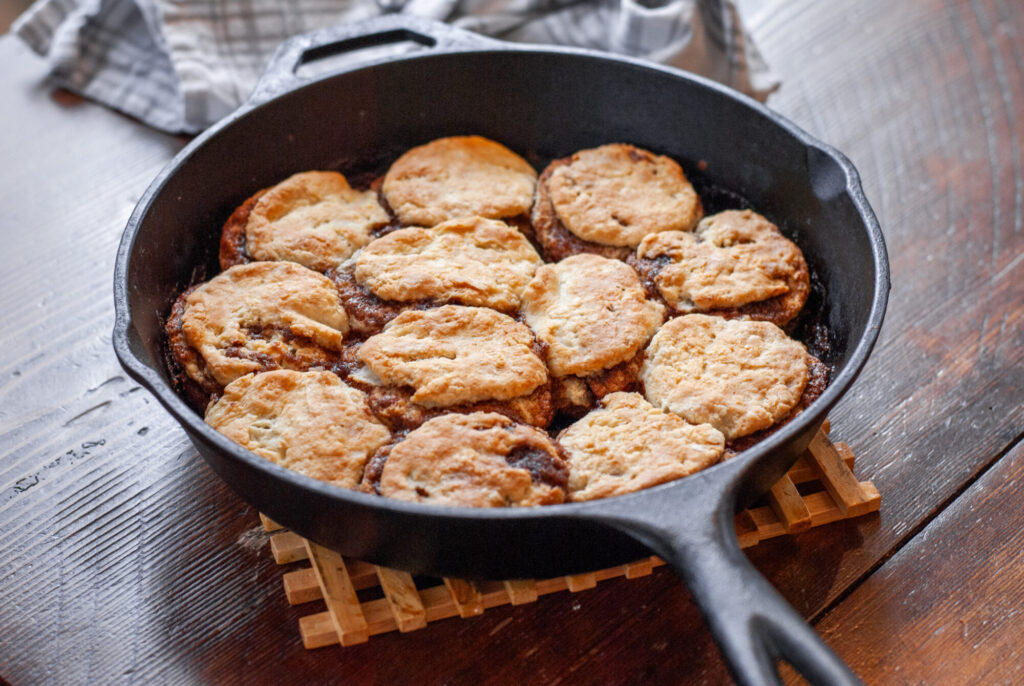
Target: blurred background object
pixel 9 10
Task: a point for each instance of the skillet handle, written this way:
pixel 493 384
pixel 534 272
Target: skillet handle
pixel 752 624
pixel 280 75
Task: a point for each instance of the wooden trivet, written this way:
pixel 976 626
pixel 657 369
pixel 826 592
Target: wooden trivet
pixel 406 608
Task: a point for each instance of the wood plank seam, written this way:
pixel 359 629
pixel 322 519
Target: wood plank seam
pixel 405 607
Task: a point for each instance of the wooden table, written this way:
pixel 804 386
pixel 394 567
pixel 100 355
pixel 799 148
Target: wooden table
pixel 123 558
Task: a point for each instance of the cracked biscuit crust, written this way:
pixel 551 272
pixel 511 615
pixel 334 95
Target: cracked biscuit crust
pixel 314 218
pixel 471 460
pixel 470 261
pixel 258 317
pixel 310 422
pixel 454 355
pixel 733 260
pixel 740 376
pixel 627 445
pixel 616 194
pixel 591 312
pixel 458 177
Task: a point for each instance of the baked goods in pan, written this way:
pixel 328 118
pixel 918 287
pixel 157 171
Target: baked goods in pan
pixel 475 373
pixel 468 261
pixel 735 263
pixel 592 314
pixel 627 444
pixel 605 200
pixel 314 218
pixel 455 357
pixel 460 176
pixel 254 318
pixel 476 460
pixel 740 376
pixel 311 422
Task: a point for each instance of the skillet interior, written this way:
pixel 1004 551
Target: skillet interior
pixel 542 104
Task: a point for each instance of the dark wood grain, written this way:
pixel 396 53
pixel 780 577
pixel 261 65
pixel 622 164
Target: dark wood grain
pixel 124 559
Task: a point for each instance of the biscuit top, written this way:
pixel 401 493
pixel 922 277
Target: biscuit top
pixel 232 310
pixel 310 422
pixel 459 177
pixel 617 194
pixel 733 258
pixel 313 218
pixel 627 444
pixel 475 460
pixel 739 376
pixel 591 311
pixel 453 355
pixel 471 261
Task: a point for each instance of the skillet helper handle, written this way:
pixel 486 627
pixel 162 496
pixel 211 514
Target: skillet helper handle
pixel 280 75
pixel 753 625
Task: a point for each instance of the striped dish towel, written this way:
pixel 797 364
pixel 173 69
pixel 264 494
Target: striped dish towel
pixel 180 65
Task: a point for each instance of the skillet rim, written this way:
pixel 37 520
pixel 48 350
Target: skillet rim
pixel 148 376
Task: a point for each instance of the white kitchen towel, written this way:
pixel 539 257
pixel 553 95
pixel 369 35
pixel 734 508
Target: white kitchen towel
pixel 180 65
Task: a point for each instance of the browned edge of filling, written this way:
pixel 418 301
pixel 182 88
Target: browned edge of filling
pixel 817 380
pixel 555 240
pixel 625 376
pixel 368 312
pixel 544 468
pixel 179 353
pixel 393 224
pixel 299 353
pixel 232 236
pixel 393 405
pixel 779 310
pixel 374 467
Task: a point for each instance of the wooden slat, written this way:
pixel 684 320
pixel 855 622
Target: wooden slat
pixel 581 582
pixel 787 503
pixel 521 591
pixel 837 479
pixel 269 525
pixel 747 530
pixel 801 472
pixel 301 586
pixel 403 598
pixel 339 594
pixel 635 570
pixel 287 547
pixel 465 596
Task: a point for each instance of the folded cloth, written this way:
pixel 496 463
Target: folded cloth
pixel 180 65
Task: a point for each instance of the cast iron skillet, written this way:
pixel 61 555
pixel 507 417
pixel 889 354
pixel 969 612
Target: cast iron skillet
pixel 545 103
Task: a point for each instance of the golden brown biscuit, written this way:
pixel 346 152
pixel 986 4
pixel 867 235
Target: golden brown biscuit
pixel 591 312
pixel 310 422
pixel 628 444
pixel 605 200
pixel 454 355
pixel 314 218
pixel 471 460
pixel 817 381
pixel 257 317
pixel 734 263
pixel 461 176
pixel 469 261
pixel 739 376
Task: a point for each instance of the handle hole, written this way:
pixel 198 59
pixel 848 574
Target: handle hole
pixel 788 674
pixel 332 57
